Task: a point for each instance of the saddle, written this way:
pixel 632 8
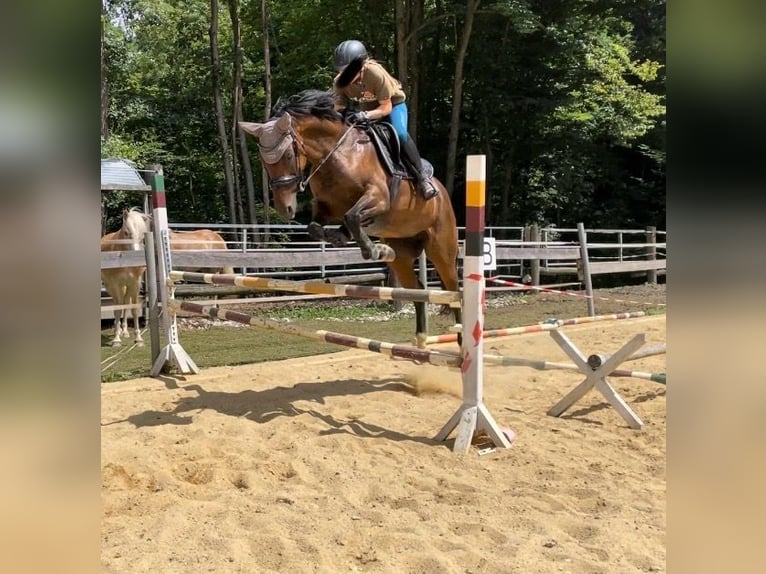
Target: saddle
pixel 387 146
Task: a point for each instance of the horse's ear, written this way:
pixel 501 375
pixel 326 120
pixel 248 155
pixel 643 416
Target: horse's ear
pixel 283 123
pixel 251 128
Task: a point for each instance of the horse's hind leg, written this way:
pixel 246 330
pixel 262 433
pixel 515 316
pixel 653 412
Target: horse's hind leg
pixel 444 259
pixel 402 267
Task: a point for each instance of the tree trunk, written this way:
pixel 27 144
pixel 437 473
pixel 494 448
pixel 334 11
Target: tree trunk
pixel 236 132
pixel 401 10
pixel 219 117
pixel 267 107
pixel 413 55
pixel 104 83
pixel 505 197
pixel 457 92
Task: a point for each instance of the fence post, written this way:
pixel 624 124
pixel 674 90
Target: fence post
pixel 534 264
pixel 244 247
pixel 620 252
pixel 323 249
pixel 585 268
pixel 651 253
pixel 423 276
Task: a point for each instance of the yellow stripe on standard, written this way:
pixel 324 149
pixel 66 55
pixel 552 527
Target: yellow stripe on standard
pixel 476 178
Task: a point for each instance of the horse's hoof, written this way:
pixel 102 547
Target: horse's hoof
pixel 116 344
pixel 335 238
pixel 383 253
pixel 315 231
pixel 420 340
pixel 139 343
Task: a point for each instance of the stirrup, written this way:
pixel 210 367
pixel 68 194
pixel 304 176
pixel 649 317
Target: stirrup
pixel 427 189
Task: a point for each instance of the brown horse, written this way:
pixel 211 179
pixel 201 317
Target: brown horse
pixel 350 186
pixel 124 283
pixel 199 240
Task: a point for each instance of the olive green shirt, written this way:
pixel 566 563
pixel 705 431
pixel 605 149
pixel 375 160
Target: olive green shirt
pixel 374 85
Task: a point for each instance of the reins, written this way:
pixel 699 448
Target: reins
pixel 302 185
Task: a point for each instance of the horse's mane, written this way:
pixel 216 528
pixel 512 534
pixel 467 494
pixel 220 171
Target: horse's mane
pixel 316 103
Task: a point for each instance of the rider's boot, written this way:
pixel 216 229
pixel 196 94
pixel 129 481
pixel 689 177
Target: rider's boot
pixel 412 158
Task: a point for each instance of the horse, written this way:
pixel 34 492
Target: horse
pixel 199 240
pixel 350 186
pixel 124 283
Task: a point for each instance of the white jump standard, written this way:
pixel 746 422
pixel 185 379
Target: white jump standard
pixel 472 416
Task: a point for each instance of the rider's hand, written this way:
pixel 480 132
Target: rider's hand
pixel 357 118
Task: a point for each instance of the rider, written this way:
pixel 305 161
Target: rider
pixel 364 83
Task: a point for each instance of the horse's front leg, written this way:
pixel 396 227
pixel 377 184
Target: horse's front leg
pixel 116 342
pixel 135 287
pixel 335 237
pixel 321 216
pixel 363 213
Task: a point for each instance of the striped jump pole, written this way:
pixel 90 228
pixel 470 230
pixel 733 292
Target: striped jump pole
pixel 595 361
pixel 472 416
pixel 539 327
pixel 540 365
pixel 358 291
pixel 439 358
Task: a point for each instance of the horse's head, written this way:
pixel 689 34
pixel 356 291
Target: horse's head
pixel 278 147
pixel 134 225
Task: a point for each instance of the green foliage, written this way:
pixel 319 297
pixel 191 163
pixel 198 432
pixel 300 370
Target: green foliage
pixel 565 98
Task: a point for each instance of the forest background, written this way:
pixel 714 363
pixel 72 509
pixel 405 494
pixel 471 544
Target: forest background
pixel 565 98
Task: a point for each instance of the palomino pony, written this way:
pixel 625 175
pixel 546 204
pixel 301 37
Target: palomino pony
pixel 124 283
pixel 350 186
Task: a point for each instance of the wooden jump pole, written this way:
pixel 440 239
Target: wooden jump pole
pixel 439 358
pixel 472 416
pixel 538 327
pixel 321 288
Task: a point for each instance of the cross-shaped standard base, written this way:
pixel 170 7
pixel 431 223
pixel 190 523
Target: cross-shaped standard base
pixel 597 378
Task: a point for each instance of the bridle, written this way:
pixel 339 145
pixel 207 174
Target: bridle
pixel 285 180
pixel 298 149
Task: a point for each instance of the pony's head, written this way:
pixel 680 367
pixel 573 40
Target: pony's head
pixel 135 224
pixel 279 145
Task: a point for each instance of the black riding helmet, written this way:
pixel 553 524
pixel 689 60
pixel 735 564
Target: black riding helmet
pixel 348 51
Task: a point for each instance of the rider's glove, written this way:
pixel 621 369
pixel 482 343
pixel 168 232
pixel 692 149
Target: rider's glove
pixel 357 118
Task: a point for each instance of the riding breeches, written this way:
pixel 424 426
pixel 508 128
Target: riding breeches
pixel 399 118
